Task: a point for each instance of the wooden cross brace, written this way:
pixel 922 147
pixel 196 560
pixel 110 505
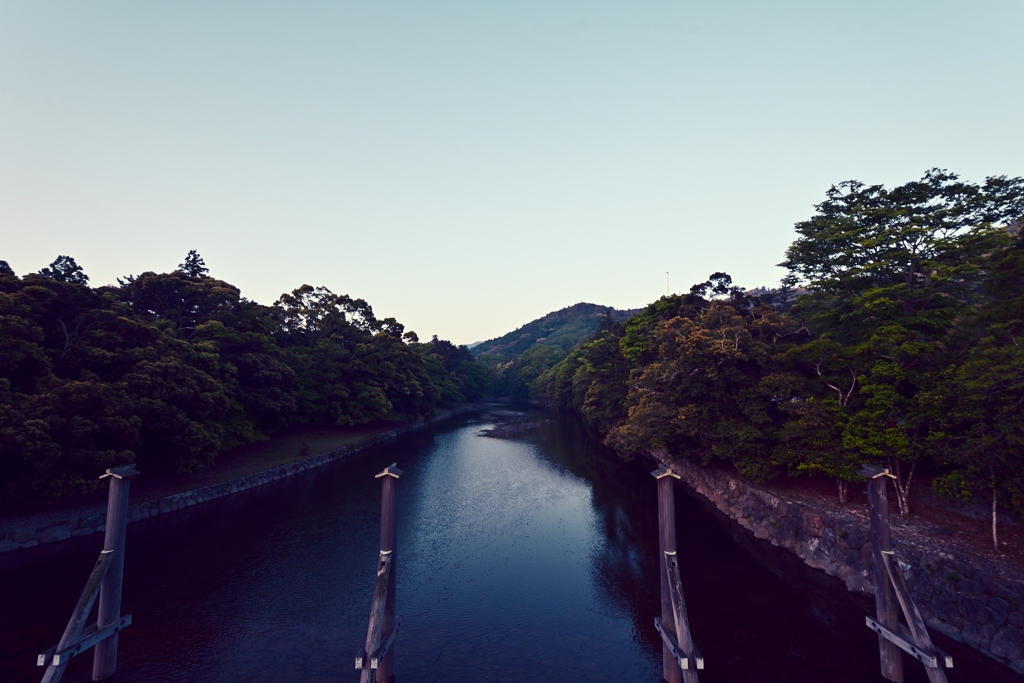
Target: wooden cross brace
pixel 382 649
pixel 888 581
pixel 680 655
pixel 921 648
pixel 75 641
pixel 683 648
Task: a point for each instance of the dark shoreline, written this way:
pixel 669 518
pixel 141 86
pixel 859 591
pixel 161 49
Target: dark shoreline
pixel 28 531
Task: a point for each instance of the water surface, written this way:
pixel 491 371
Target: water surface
pixel 531 558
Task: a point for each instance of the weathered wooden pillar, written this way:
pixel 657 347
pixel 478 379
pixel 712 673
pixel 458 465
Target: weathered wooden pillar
pixel 886 607
pixel 105 656
pixel 667 543
pixel 388 539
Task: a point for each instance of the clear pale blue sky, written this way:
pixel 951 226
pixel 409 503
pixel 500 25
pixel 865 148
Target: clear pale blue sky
pixel 467 167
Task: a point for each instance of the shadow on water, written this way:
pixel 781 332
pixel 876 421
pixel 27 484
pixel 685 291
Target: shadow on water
pixel 526 558
pixel 757 612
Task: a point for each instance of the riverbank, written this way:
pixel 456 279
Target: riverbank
pixel 973 599
pixel 240 470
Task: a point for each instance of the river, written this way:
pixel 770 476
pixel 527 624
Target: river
pixel 529 558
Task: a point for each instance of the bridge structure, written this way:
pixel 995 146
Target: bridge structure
pixel 375 657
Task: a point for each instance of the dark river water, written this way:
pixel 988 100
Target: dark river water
pixel 531 558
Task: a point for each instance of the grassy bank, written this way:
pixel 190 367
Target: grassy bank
pixel 281 449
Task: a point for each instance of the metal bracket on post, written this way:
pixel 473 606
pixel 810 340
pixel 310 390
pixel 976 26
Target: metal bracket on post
pixel 390 470
pixel 663 471
pixel 125 472
pixel 873 472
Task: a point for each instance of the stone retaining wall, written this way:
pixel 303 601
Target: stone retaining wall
pixel 29 536
pixel 964 601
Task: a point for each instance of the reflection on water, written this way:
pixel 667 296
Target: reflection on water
pixel 529 558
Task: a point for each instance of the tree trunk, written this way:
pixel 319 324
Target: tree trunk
pixel 842 483
pixel 995 535
pixel 903 488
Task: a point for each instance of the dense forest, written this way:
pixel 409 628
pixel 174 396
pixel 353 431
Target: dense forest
pixel 168 369
pixel 516 361
pixel 895 339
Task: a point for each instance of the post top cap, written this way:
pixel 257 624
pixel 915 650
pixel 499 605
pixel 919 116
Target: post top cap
pixel 873 471
pixel 123 472
pixel 391 470
pixel 663 471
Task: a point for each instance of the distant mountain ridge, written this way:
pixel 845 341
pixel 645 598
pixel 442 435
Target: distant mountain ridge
pixel 562 329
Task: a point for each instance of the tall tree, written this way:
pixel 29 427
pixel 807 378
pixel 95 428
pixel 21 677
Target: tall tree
pixel 888 271
pixel 194 266
pixel 707 391
pixel 64 269
pixel 980 395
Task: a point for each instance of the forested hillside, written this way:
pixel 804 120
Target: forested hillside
pixel 517 359
pixel 905 348
pixel 168 369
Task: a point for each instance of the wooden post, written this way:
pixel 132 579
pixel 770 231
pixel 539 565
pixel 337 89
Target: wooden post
pixel 886 607
pixel 890 586
pixel 667 544
pixel 388 539
pixel 105 655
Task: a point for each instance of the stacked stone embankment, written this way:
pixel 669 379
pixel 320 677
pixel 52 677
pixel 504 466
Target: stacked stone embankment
pixel 58 526
pixel 973 602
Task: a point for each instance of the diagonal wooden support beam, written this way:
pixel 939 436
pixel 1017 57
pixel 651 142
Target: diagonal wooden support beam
pixel 385 644
pixel 74 628
pixel 682 622
pixel 373 631
pixel 914 621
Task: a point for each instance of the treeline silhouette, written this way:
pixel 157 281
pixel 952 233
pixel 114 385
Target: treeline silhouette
pixel 897 338
pixel 169 369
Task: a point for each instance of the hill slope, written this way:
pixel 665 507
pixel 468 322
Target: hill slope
pixel 562 329
pixel 517 359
